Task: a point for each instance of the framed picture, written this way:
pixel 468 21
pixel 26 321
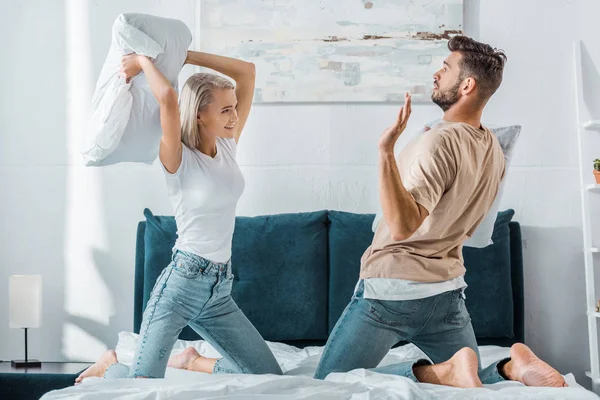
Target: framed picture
pixel 334 50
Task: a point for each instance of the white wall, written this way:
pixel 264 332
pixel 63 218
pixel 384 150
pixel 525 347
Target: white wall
pixel 76 226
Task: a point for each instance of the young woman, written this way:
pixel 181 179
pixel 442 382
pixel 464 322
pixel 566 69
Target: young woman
pixel 204 182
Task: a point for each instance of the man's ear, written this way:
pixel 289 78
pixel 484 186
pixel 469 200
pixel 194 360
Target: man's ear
pixel 468 86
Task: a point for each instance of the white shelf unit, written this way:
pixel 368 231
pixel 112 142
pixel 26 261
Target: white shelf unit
pixel 593 188
pixel 586 127
pixel 594 381
pixel 595 124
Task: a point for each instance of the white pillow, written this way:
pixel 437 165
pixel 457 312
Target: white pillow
pixel 125 122
pixel 128 342
pixel 507 136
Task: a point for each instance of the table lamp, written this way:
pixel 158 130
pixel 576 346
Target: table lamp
pixel 25 303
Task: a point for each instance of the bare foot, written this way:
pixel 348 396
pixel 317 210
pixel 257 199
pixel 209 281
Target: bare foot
pixel 191 360
pixel 459 371
pixel 99 368
pixel 527 368
pixel 185 359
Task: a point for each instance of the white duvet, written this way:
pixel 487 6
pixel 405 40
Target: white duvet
pixel 297 383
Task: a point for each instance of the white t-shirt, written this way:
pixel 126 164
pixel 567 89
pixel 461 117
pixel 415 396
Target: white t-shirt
pixel 204 193
pixel 400 289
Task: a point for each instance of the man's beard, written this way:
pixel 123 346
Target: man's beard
pixel 447 98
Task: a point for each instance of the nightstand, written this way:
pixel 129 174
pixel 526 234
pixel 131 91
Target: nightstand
pixel 32 383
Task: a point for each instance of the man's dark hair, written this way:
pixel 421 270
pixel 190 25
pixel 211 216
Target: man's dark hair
pixel 480 61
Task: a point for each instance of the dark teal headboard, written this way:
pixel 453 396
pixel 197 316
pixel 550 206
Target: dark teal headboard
pixel 296 272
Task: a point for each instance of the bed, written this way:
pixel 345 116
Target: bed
pixel 300 271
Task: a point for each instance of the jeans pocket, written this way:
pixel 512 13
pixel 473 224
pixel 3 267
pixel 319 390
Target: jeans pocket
pixel 189 296
pixel 186 268
pixel 457 311
pixel 393 312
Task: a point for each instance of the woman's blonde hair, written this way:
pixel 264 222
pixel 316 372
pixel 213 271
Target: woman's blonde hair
pixel 196 94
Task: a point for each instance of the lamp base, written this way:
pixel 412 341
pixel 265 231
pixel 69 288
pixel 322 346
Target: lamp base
pixel 26 364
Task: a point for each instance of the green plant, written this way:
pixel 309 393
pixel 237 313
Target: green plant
pixel 597 164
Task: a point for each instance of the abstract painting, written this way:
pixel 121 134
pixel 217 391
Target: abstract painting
pixel 334 50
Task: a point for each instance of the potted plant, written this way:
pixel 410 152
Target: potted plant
pixel 597 170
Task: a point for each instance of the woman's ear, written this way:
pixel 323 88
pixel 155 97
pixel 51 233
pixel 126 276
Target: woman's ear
pixel 198 119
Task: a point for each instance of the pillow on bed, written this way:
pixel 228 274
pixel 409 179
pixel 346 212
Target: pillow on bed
pixel 290 358
pixel 127 344
pixel 507 136
pixel 125 121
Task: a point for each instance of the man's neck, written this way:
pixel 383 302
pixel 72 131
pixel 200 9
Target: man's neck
pixel 473 118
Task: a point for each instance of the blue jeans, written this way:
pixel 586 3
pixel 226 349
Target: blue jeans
pixel 196 292
pixel 439 325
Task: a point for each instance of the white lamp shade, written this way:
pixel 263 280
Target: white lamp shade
pixel 25 301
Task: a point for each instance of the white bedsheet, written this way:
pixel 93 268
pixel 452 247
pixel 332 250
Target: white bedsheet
pixel 298 366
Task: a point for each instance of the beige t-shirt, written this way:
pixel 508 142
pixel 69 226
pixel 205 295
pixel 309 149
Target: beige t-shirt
pixel 454 171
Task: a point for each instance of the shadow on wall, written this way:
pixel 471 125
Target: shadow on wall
pixel 112 277
pixel 555 299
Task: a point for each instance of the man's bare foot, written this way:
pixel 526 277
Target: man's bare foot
pixel 459 371
pixel 185 359
pixel 527 368
pixel 99 368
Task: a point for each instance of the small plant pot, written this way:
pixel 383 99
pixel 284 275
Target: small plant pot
pixel 597 176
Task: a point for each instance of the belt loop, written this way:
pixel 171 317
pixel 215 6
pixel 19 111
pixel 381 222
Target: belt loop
pixel 203 264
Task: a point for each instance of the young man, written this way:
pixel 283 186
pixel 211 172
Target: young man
pixel 433 197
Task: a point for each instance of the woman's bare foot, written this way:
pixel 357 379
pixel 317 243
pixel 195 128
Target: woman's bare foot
pixel 191 360
pixel 527 368
pixel 185 359
pixel 99 368
pixel 459 371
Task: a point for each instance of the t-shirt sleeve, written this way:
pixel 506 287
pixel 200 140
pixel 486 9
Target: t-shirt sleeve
pixel 430 174
pixel 184 160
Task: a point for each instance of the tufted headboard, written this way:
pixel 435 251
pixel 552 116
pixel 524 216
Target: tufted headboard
pixel 295 273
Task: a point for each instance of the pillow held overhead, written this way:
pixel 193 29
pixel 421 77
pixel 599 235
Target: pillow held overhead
pixel 125 121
